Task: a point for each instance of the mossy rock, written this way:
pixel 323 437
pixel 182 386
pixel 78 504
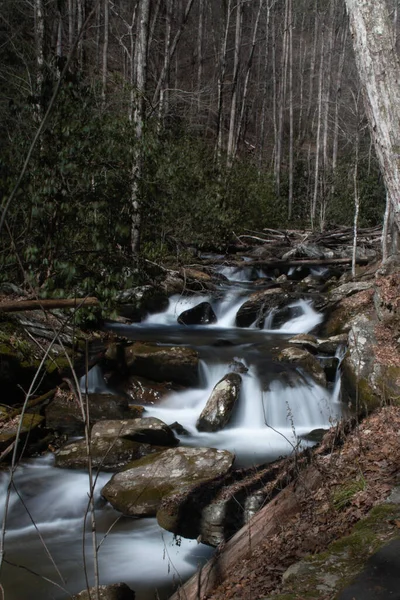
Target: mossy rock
pixel 9 429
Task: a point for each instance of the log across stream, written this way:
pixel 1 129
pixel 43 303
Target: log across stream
pixel 275 410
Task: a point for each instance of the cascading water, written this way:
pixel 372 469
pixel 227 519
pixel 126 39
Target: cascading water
pixel 275 409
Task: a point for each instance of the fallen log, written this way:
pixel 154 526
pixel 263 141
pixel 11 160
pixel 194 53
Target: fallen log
pixel 20 305
pixel 266 523
pixel 299 262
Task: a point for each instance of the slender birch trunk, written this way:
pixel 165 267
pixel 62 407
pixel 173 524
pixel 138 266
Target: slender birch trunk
pixel 318 140
pixel 138 119
pixel 282 102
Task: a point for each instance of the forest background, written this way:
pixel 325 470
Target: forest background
pixel 170 124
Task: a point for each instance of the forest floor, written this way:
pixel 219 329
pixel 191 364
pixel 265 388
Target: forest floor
pixel 340 524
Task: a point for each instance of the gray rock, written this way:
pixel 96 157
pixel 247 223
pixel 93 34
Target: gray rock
pixel 159 363
pixel 107 454
pixel 220 404
pixel 202 314
pixel 65 415
pixel 309 364
pixel 259 305
pixel 146 431
pixel 139 489
pixel 115 591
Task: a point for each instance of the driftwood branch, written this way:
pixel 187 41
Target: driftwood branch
pixel 20 305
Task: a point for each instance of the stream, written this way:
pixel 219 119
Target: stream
pixel 45 540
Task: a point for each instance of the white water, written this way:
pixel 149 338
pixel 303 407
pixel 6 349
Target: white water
pixel 268 422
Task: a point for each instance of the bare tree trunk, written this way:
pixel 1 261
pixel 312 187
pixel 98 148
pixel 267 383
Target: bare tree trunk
pixel 291 132
pixel 235 76
pixel 163 102
pixel 167 63
pixel 105 53
pixel 379 72
pixel 356 190
pixel 39 43
pixel 246 80
pixel 261 139
pixel 282 102
pixel 138 118
pixel 318 141
pixel 221 81
pixel 200 58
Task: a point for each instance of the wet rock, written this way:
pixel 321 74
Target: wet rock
pixel 315 435
pixel 146 431
pixel 107 454
pixel 65 415
pixel 306 361
pixel 220 404
pixel 283 315
pixel 237 366
pixel 9 429
pixel 143 391
pixel 333 343
pixel 202 314
pixel 178 428
pixel 259 305
pixel 115 591
pixel 140 487
pixel 160 363
pixel 136 303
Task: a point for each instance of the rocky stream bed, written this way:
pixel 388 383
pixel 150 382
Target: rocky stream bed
pixel 194 394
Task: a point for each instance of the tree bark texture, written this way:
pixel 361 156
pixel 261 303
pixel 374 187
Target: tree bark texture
pixel 379 72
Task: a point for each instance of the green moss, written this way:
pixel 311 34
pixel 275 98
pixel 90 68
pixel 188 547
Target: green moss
pixel 345 557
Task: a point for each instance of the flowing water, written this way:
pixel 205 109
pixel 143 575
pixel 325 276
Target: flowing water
pixel 45 540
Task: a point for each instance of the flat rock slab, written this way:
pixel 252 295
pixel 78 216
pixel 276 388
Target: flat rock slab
pixel 107 454
pixel 147 431
pixel 380 580
pixel 139 489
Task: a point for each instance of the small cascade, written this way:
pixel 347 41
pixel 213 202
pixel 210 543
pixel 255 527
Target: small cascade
pixel 303 323
pixel 94 382
pixel 269 420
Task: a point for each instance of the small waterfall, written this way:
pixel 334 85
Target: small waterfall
pixel 94 383
pixel 267 423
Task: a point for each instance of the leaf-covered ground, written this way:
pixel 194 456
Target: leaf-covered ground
pixel 357 476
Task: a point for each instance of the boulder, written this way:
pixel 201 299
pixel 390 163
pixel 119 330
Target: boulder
pixel 143 391
pixel 306 361
pixel 201 314
pixel 65 415
pixel 163 363
pixel 285 314
pixel 139 489
pixel 9 428
pixel 115 591
pixel 145 431
pixel 136 303
pixel 220 404
pixel 259 305
pixel 107 454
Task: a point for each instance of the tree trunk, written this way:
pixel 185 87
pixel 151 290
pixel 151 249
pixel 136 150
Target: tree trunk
pixel 379 72
pixel 138 118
